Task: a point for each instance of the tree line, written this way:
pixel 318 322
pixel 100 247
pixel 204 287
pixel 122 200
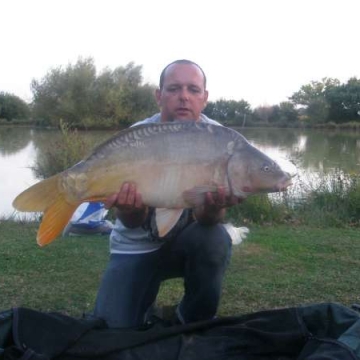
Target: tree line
pixel 84 98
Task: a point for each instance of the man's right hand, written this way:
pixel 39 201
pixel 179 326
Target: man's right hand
pixel 130 208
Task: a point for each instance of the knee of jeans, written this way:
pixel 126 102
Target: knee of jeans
pixel 214 246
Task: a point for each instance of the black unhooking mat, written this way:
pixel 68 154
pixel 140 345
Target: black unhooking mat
pixel 321 331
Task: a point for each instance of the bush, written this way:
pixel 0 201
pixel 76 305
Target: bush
pixel 259 209
pixel 69 150
pixel 335 202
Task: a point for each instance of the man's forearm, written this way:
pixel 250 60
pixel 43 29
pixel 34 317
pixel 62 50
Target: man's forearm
pixel 210 216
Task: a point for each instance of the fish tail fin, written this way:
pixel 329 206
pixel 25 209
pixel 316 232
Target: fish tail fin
pixel 39 196
pixel 54 220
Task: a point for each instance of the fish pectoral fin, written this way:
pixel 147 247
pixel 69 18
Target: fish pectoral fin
pixel 166 219
pixel 54 220
pixel 196 196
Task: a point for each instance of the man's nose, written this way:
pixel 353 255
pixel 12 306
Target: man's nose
pixel 184 93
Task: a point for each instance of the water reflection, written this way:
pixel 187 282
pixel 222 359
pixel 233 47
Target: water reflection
pixel 13 140
pixel 326 152
pixel 15 176
pixel 313 152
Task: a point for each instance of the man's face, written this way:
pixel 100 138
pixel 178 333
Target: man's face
pixel 183 95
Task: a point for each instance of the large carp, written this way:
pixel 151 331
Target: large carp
pixel 172 164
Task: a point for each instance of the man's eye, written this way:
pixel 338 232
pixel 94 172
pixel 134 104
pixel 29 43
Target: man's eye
pixel 194 90
pixel 172 89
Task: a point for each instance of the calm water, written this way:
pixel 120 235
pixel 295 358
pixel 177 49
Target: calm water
pixel 314 152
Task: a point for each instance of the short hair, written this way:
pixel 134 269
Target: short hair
pixel 181 61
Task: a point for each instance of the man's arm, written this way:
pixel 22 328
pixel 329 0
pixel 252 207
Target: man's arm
pixel 214 209
pixel 129 206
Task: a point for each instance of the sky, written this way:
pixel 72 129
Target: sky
pixel 261 51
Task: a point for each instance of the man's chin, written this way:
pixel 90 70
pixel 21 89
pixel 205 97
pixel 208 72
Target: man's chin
pixel 181 117
pixel 184 117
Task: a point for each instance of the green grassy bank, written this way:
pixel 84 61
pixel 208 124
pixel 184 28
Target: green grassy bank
pixel 276 266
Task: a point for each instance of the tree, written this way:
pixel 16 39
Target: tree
pixel 344 101
pixel 132 99
pixel 228 111
pixel 265 113
pixel 65 93
pixel 12 107
pixel 281 115
pixel 287 113
pixel 313 97
pixel 80 97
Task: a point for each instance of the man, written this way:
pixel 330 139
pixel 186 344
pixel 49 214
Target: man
pixel 198 247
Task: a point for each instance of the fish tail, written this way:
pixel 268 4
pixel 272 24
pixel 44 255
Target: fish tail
pixel 45 197
pixel 39 196
pixel 54 220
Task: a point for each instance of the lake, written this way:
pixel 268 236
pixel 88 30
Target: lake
pixel 314 152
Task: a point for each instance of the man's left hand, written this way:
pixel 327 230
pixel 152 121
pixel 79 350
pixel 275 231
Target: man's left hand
pixel 213 210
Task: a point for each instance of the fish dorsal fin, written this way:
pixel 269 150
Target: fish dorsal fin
pixel 166 219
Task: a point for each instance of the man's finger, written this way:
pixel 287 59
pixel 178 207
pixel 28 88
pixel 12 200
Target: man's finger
pixel 209 199
pixel 221 196
pixel 138 201
pixel 110 201
pixel 123 194
pixel 131 195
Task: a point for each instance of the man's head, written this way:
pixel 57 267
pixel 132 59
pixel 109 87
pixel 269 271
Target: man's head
pixel 182 93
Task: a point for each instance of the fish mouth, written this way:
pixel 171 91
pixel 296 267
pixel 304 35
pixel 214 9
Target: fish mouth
pixel 283 185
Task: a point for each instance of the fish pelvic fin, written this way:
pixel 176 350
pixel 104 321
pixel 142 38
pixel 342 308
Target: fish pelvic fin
pixel 39 196
pixel 166 219
pixel 54 220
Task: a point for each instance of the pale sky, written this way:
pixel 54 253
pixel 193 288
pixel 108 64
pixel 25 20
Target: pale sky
pixel 261 51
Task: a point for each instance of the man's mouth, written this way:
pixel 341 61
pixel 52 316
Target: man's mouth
pixel 182 111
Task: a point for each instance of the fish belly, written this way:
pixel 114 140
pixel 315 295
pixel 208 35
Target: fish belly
pixel 165 186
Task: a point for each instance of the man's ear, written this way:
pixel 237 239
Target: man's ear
pixel 158 96
pixel 206 95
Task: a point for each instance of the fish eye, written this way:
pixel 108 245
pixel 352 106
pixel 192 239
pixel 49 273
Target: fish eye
pixel 266 168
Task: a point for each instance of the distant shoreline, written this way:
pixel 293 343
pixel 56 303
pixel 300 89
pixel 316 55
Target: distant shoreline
pixel 326 126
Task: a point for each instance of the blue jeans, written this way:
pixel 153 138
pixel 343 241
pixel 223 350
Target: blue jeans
pixel 200 254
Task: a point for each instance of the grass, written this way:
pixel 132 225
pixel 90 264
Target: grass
pixel 277 266
pixel 334 201
pixel 61 277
